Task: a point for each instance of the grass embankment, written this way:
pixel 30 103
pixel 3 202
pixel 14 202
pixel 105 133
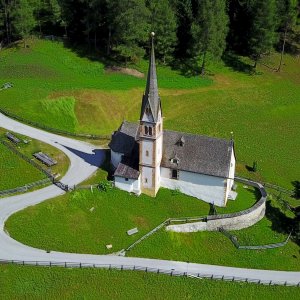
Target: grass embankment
pixel 18 282
pixel 100 218
pixel 16 172
pixel 56 87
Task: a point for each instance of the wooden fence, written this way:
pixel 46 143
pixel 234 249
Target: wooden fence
pixel 54 130
pixel 235 242
pixel 26 187
pixel 170 272
pixel 36 165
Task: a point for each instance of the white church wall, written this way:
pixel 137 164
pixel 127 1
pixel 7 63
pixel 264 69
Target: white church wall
pixel 159 147
pixel 147 177
pixel 129 185
pixel 116 158
pixel 207 188
pixel 230 181
pixel 147 146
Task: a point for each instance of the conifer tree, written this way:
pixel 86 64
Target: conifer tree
pixel 184 16
pixel 287 13
pixel 163 23
pixel 24 21
pixel 209 30
pixel 262 31
pixel 7 7
pixel 130 27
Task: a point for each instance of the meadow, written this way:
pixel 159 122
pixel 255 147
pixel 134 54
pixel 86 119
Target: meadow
pixel 55 86
pixel 23 282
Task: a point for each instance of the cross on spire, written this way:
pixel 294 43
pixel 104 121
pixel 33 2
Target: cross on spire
pixel 151 97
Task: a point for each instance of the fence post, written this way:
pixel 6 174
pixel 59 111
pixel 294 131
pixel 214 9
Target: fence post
pixel 65 264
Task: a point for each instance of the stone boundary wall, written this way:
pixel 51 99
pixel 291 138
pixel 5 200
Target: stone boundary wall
pixel 233 221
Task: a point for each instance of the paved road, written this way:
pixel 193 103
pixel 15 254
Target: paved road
pixel 84 159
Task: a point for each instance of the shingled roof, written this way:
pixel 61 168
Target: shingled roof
pixel 128 168
pixel 181 151
pixel 123 140
pixel 151 96
pixel 196 153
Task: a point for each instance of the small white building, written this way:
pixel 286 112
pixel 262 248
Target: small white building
pixel 146 157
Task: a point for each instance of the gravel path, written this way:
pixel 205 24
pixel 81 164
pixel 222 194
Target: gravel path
pixel 84 159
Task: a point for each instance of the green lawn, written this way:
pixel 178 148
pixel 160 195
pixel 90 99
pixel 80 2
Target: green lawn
pixel 58 224
pixel 19 172
pixel 56 87
pixel 19 282
pixel 16 172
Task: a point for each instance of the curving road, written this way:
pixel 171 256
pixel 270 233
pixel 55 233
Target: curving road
pixel 84 159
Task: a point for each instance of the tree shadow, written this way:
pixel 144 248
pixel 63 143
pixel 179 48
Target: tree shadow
pixel 280 222
pixel 296 192
pixel 94 55
pixel 234 62
pixel 249 168
pixel 187 67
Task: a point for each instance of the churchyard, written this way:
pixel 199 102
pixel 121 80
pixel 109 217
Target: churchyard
pixel 56 87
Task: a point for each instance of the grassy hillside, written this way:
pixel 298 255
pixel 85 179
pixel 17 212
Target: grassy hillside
pixel 56 87
pixel 19 282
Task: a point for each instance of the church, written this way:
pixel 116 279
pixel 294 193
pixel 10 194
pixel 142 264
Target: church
pixel 146 157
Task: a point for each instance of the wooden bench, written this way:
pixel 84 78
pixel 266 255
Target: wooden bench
pixel 45 159
pixel 12 138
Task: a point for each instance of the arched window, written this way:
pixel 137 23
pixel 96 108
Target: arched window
pixel 150 130
pixel 146 130
pixel 147 153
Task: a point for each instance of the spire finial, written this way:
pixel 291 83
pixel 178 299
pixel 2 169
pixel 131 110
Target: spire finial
pixel 231 133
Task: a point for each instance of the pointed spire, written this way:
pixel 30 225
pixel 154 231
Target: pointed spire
pixel 151 96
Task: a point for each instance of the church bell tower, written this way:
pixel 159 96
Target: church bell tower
pixel 150 132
